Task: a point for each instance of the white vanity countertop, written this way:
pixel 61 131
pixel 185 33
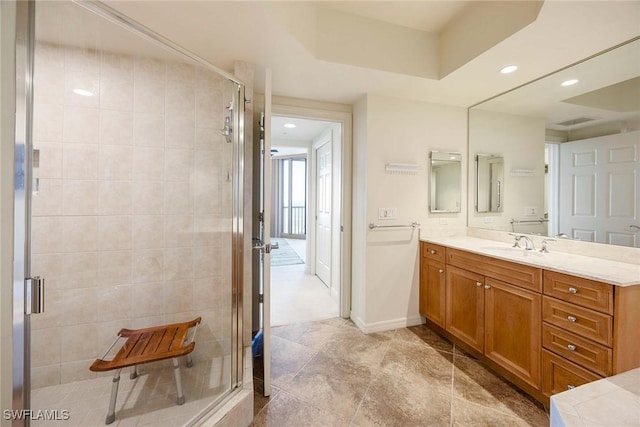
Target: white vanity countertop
pixel 612 272
pixel 612 401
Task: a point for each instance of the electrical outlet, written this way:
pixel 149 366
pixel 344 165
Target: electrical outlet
pixel 444 221
pixel 386 213
pixel 530 211
pixel 487 219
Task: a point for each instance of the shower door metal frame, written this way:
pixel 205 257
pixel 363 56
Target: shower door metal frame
pixel 25 49
pixel 21 372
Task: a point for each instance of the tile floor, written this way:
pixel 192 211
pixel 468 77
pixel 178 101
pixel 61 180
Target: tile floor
pixel 328 373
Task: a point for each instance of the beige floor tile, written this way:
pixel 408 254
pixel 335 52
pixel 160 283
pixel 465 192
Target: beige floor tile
pixel 394 401
pixel 286 410
pixel 333 384
pixel 287 358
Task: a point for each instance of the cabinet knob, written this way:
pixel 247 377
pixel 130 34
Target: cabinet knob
pixel 569 386
pixel 571 318
pixel 487 286
pixel 573 290
pixel 571 347
pixel 441 271
pixel 478 284
pixel 433 252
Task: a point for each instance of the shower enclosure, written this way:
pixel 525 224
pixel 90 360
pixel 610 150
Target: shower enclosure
pixel 131 151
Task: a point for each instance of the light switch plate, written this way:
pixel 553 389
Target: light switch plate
pixel 386 213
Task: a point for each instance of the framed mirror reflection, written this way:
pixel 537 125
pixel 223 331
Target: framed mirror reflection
pixel 445 182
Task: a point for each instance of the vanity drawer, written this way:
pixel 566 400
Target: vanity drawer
pixel 434 252
pixel 585 353
pixel 561 375
pixel 579 320
pixel 587 293
pixel 516 274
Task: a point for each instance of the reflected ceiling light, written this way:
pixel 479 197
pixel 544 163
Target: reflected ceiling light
pixel 289 125
pixel 570 82
pixel 82 92
pixel 509 69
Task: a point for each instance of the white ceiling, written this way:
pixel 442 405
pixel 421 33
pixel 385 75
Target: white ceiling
pixel 305 130
pixel 276 35
pixel 430 16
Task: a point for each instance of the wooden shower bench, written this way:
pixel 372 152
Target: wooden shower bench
pixel 144 346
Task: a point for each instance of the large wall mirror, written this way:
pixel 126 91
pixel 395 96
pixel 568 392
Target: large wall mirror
pixel 570 144
pixel 445 182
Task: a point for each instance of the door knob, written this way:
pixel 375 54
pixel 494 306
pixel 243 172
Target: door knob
pixel 478 284
pixel 487 286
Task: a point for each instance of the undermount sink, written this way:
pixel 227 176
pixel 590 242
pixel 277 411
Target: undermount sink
pixel 511 251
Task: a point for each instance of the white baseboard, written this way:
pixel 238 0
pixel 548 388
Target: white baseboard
pixel 387 325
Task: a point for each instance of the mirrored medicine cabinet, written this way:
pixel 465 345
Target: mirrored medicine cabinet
pixel 445 182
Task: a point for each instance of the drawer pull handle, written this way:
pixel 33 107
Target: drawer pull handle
pixel 573 290
pixel 569 387
pixel 433 252
pixel 572 319
pixel 572 347
pixel 441 271
pixel 478 284
pixel 487 286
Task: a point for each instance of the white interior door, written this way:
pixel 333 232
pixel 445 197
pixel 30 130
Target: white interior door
pixel 265 231
pixel 602 175
pixel 323 212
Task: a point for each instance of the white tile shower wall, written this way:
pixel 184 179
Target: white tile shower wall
pixel 131 224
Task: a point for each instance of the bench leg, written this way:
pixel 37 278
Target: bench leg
pixel 134 372
pixel 176 373
pixel 111 415
pixel 189 360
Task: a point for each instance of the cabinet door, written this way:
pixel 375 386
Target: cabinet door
pixel 432 291
pixel 465 306
pixel 512 329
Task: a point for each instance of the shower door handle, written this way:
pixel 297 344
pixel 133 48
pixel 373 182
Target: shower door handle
pixel 34 295
pixel 266 248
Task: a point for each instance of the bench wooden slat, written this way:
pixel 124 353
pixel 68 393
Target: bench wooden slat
pixel 149 345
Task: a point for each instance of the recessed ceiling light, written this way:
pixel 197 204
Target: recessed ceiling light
pixel 289 125
pixel 82 92
pixel 570 82
pixel 509 69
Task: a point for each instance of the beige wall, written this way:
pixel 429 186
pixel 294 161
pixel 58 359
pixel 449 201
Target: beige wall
pixel 131 225
pixel 385 291
pixel 520 140
pixel 7 132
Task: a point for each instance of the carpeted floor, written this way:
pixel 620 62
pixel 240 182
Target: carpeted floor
pixel 284 255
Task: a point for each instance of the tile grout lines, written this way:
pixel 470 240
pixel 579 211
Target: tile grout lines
pixel 373 378
pixel 453 372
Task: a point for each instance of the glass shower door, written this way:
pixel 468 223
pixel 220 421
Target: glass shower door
pixel 133 219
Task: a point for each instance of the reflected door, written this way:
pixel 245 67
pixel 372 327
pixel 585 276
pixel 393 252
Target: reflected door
pixel 602 175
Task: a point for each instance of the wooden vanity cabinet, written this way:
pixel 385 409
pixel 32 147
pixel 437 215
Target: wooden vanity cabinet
pixel 512 329
pixel 498 319
pixel 492 307
pixel 465 306
pixel 432 283
pixel 590 331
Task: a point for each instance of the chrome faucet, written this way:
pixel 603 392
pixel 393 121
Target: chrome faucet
pixel 544 245
pixel 530 246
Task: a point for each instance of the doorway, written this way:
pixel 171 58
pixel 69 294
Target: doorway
pixel 304 287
